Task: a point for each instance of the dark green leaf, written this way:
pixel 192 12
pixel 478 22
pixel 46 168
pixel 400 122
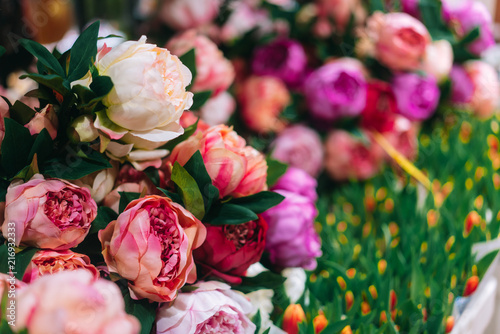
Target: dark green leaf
pixel 173 196
pixel 43 55
pixel 230 214
pixel 188 132
pixel 196 167
pixel 142 309
pixel 21 113
pixel 109 36
pixel 104 216
pixel 153 175
pixel 16 147
pixel 189 191
pixel 275 169
pixel 199 99
pixel 74 165
pixel 431 13
pixel 52 81
pixel 189 59
pixel 4 263
pixel 23 258
pixel 2 51
pixel 4 327
pixel 83 53
pixel 101 85
pixel 259 202
pixel 267 331
pixel 376 5
pixel 264 280
pixel 126 198
pixel 42 146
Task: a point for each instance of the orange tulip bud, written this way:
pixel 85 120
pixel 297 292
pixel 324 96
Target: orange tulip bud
pixel 294 314
pixel 471 285
pixel 319 322
pixel 450 322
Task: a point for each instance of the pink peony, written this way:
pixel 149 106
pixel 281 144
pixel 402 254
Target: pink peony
pixel 350 158
pixel 186 14
pixel 47 262
pixel 297 181
pixel 299 146
pixel 486 91
pixel 262 100
pixel 235 169
pixel 151 244
pixel 45 119
pixel 400 40
pixel 213 71
pixel 217 110
pixel 73 302
pixel 50 213
pixel 403 137
pixel 212 308
pixel 337 12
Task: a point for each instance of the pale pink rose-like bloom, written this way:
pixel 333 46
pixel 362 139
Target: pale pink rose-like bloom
pixel 400 40
pixel 212 308
pixel 73 302
pixel 143 108
pixel 244 18
pixel 99 183
pixel 235 169
pixel 48 262
pixel 217 110
pixel 151 244
pixel 485 96
pixel 262 100
pixel 300 147
pixel 350 158
pixel 50 213
pixel 186 14
pixel 45 119
pixel 438 59
pixel 213 71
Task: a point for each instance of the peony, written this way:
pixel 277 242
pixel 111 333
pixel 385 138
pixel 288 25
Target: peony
pixel 411 7
pixel 485 97
pixel 235 169
pixel 300 147
pixel 151 244
pixel 47 262
pixel 45 119
pixel 230 249
pixel 297 181
pixel 438 59
pixel 339 12
pixel 188 118
pixel 284 59
pixel 380 110
pixel 468 15
pixel 212 308
pixel 291 239
pixel 336 90
pixel 99 183
pixel 400 40
pixel 146 102
pixel 244 18
pixel 417 96
pixel 462 86
pixel 213 72
pixel 73 302
pixel 262 100
pixel 50 213
pixel 217 110
pixel 347 157
pixel 186 14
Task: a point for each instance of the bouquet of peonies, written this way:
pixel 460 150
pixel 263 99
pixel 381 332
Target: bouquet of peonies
pixel 124 213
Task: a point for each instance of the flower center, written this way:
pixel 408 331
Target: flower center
pixel 346 85
pixel 163 226
pixel 410 37
pixel 220 323
pixel 64 209
pixel 240 234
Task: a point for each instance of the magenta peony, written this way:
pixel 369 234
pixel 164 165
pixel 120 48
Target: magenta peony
pixel 462 86
pixel 417 96
pixel 212 308
pixel 291 239
pixel 52 213
pixel 297 181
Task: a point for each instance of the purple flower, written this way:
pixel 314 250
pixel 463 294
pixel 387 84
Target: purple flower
pixel 283 58
pixel 336 90
pixel 299 146
pixel 298 181
pixel 291 239
pixel 416 96
pixel 469 15
pixel 411 7
pixel 462 87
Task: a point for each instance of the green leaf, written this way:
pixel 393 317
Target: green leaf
pixel 104 216
pixel 21 113
pixel 188 132
pixel 275 169
pixel 196 167
pixel 4 327
pixel 259 202
pixel 42 147
pixel 376 5
pixel 230 214
pixel 189 59
pixel 23 258
pixel 52 81
pixel 101 85
pixel 16 147
pixel 43 55
pixel 2 51
pixel 264 280
pixel 4 263
pixel 126 198
pixel 173 196
pixel 188 188
pixel 142 309
pixel 431 13
pixel 199 99
pixel 83 53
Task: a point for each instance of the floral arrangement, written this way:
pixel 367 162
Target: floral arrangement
pixel 126 193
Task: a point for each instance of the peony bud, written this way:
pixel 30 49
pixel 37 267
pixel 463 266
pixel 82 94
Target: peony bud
pixel 82 129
